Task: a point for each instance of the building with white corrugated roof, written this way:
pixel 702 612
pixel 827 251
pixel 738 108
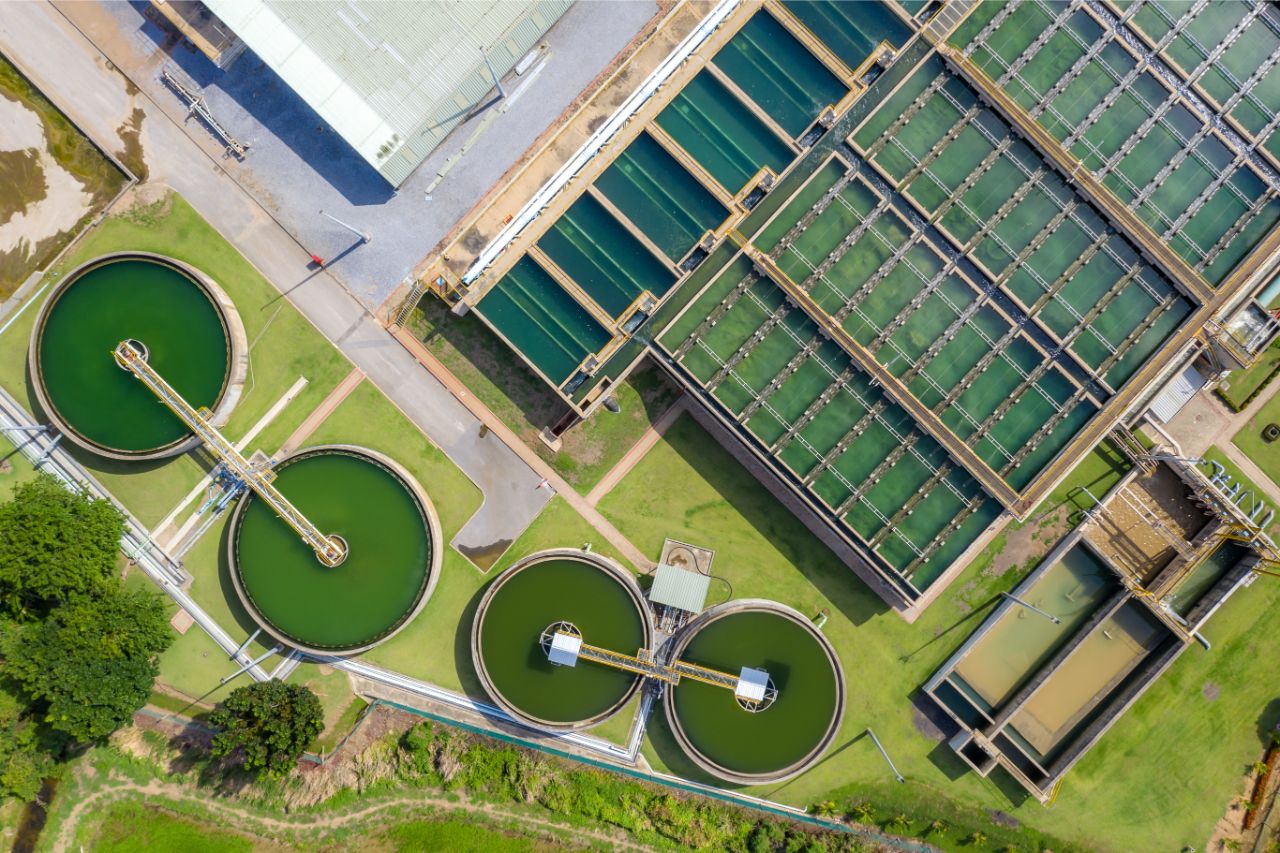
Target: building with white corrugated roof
pixel 392 78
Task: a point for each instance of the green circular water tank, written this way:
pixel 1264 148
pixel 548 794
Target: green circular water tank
pixel 393 557
pixel 780 741
pixel 599 597
pixel 188 327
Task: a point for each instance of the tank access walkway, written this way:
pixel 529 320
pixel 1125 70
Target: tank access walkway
pixel 131 356
pixel 564 646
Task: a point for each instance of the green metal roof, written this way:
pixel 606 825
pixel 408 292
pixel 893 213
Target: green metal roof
pixel 391 77
pixel 679 588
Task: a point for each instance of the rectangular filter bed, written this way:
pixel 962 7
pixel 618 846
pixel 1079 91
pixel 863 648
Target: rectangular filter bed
pixel 861 254
pixel 1128 114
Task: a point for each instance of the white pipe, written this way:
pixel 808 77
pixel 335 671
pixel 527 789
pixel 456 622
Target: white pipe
pixel 598 139
pixel 1150 421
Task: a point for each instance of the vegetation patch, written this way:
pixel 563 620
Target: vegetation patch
pixel 26 179
pixel 1130 792
pixel 522 400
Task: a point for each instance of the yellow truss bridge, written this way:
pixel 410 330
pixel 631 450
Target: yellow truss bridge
pixel 564 646
pixel 131 356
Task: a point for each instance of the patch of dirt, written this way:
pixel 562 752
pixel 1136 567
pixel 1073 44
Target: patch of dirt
pixel 146 203
pixel 1026 545
pixel 1210 691
pixel 130 134
pixel 1003 819
pixel 1230 827
pixel 22 176
pixel 474 241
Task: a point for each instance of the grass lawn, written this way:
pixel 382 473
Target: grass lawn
pixel 524 402
pixel 1098 472
pixel 132 826
pixel 283 346
pixel 1240 384
pixel 436 646
pixel 341 705
pixel 14 468
pixel 1159 779
pixel 1234 470
pixel 1266 455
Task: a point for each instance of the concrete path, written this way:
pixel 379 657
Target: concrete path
pixel 637 452
pixel 1206 422
pixel 80 80
pixel 317 416
pixel 557 484
pixel 296 165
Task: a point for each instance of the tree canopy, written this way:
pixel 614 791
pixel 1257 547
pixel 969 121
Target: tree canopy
pixel 92 662
pixel 23 759
pixel 270 722
pixel 54 545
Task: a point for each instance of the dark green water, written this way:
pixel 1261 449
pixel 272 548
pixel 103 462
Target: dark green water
pixel 387 567
pixel 603 257
pixel 783 733
pixel 542 320
pixel 147 301
pixel 723 135
pixel 532 599
pixel 779 73
pixel 851 30
pixel 660 197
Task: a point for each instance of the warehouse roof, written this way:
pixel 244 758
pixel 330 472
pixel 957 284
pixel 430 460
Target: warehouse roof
pixel 391 77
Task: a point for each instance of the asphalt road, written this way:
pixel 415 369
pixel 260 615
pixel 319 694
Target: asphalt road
pixel 78 78
pixel 297 166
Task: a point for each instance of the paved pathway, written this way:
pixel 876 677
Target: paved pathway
pixel 81 81
pixel 322 411
pixel 549 476
pixel 1206 422
pixel 297 166
pixel 637 452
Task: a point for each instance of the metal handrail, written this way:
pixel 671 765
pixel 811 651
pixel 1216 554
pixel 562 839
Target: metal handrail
pixel 330 550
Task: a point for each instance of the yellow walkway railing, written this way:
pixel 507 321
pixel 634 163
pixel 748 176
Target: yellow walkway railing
pixel 330 550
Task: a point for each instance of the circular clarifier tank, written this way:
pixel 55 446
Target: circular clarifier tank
pixel 594 594
pixel 393 552
pixel 779 741
pixel 188 329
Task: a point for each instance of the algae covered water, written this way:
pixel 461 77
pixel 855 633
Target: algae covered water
pixel 526 603
pixel 780 735
pixel 374 591
pixel 148 301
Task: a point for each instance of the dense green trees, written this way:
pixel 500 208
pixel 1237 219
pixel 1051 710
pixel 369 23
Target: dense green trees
pixel 54 545
pixel 92 662
pixel 270 723
pixel 23 759
pixel 78 652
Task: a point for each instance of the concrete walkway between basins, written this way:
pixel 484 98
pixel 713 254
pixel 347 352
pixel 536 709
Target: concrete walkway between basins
pixel 80 80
